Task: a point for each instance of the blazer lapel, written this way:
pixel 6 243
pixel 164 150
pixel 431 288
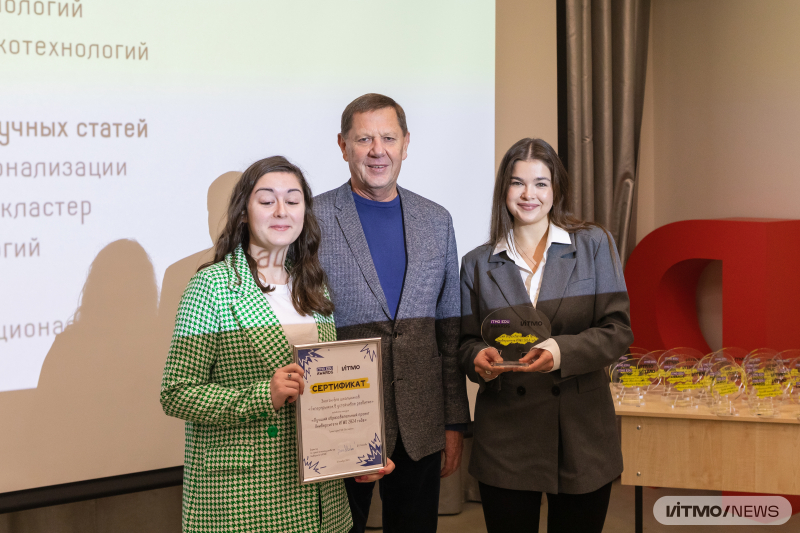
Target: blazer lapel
pixel 557 271
pixel 415 246
pixel 354 235
pixel 255 316
pixel 509 282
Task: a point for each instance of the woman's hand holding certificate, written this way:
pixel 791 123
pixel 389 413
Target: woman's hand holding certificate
pixel 286 385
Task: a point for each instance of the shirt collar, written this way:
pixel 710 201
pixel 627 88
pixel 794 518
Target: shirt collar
pixel 554 235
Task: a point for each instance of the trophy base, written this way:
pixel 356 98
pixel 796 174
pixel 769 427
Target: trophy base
pixel 765 412
pixel 509 364
pixel 630 396
pixel 722 409
pixel 678 399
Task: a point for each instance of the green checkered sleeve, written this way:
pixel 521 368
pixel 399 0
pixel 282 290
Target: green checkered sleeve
pixel 187 391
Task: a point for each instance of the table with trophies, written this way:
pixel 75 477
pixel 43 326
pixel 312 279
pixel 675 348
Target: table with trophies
pixel 729 420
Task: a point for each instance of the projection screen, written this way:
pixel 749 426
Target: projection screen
pixel 123 126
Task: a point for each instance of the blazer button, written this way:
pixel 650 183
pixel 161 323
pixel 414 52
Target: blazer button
pixel 521 390
pixel 272 431
pixel 556 391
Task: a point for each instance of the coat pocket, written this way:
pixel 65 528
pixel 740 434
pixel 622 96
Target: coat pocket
pixel 592 381
pixel 228 458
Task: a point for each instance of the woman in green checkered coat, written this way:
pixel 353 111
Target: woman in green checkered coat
pixel 229 372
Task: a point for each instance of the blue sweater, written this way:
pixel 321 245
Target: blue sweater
pixel 383 227
pixel 382 223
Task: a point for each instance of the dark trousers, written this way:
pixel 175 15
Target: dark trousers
pixel 410 495
pixel 517 511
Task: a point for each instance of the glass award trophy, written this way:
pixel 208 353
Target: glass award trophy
pixel 766 382
pixel 706 367
pixel 514 331
pixel 791 360
pixel 632 354
pixel 625 382
pixel 614 378
pixel 709 367
pixel 680 376
pixel 676 355
pixel 632 376
pixel 728 384
pixel 649 372
pixel 756 356
pixel 732 354
pixel 703 367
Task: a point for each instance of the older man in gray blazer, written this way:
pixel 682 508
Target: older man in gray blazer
pixel 392 267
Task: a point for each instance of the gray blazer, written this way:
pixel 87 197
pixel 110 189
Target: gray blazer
pixel 553 432
pixel 423 387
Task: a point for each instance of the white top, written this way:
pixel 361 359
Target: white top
pixel 297 328
pixel 533 279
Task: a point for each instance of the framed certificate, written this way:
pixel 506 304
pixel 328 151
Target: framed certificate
pixel 340 425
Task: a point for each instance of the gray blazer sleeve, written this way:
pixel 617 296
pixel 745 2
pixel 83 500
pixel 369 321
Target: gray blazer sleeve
pixel 447 328
pixel 610 333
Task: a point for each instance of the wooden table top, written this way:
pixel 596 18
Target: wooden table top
pixel 653 406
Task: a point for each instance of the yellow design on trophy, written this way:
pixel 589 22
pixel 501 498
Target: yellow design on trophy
pixel 516 338
pixel 636 378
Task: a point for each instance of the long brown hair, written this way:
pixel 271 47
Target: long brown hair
pixel 530 150
pixel 306 275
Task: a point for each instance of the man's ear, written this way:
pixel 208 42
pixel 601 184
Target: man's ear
pixel 342 145
pixel 405 144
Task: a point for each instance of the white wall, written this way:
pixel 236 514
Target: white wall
pixel 721 124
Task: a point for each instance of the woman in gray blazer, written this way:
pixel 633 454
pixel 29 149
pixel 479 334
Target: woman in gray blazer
pixel 549 426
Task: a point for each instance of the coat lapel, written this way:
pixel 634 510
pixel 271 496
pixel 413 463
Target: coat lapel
pixel 415 246
pixel 557 271
pixel 254 315
pixel 350 224
pixel 509 282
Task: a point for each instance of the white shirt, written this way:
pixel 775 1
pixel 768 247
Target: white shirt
pixel 533 279
pixel 297 328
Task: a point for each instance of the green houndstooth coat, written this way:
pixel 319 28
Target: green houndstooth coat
pixel 240 471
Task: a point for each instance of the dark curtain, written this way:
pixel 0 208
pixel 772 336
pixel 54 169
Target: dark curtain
pixel 606 63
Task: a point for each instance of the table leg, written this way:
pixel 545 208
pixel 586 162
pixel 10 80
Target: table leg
pixel 638 520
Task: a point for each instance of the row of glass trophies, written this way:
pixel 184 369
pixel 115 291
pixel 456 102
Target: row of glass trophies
pixel 730 381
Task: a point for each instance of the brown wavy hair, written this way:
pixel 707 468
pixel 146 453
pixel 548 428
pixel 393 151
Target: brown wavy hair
pixel 308 280
pixel 535 150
